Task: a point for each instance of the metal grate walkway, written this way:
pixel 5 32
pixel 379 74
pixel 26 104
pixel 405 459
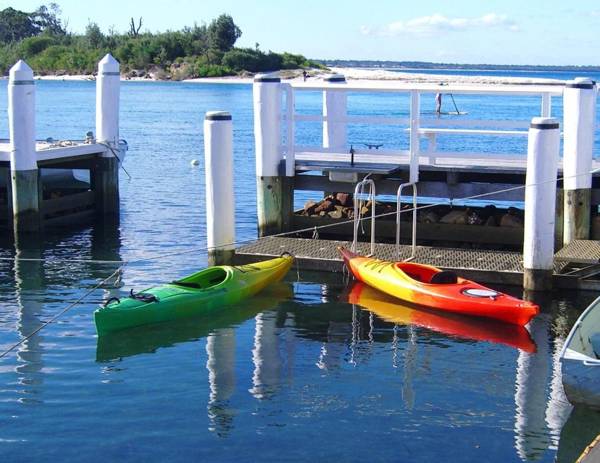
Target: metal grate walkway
pixel 315 254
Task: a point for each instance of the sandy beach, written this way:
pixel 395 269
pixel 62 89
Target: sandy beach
pixel 356 74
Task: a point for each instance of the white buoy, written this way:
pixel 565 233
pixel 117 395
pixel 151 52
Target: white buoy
pixel 540 203
pixel 220 204
pixel 23 160
pixel 579 113
pixel 195 162
pixel 334 114
pixel 273 191
pixel 107 101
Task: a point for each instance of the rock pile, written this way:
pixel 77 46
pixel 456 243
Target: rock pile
pixel 341 206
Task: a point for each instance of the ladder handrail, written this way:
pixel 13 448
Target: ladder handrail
pixel 358 191
pixel 414 220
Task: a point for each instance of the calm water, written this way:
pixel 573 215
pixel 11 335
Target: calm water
pixel 310 369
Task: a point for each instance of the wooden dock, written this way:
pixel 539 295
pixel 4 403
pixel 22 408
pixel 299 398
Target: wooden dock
pixel 486 266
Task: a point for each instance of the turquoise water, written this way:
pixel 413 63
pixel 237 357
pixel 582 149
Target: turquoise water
pixel 297 373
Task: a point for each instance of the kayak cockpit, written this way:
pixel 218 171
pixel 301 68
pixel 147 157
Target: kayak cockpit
pixel 204 279
pixel 427 274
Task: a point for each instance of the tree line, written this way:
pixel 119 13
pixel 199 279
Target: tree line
pixel 207 50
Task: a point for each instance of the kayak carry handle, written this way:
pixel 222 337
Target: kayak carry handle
pixel 112 299
pixel 143 297
pixel 286 253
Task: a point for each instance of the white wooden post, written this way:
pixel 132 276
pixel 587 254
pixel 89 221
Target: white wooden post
pixel 107 102
pixel 415 145
pixel 23 161
pixel 274 194
pixel 105 175
pixel 540 203
pixel 579 112
pixel 334 112
pixel 546 109
pixel 220 203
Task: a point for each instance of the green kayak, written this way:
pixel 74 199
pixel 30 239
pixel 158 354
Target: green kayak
pixel 199 293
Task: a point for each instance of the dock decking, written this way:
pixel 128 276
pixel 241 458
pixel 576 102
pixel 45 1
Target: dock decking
pixel 486 266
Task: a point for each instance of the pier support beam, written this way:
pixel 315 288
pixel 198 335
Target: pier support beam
pixel 540 203
pixel 579 101
pixel 220 204
pixel 105 178
pixel 274 190
pixel 23 161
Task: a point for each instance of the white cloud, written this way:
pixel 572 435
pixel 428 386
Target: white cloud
pixel 436 23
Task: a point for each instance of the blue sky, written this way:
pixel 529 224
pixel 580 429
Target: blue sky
pixel 463 31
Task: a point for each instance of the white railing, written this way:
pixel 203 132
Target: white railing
pixel 417 126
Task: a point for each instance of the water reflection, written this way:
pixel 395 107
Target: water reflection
pixel 29 284
pixel 59 261
pixel 398 312
pixel 220 350
pixel 580 429
pixel 150 338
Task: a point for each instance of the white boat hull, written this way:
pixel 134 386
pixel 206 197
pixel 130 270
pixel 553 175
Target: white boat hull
pixel 580 363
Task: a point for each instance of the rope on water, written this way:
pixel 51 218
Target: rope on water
pixel 59 314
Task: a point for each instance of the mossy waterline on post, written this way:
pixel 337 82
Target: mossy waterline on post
pixel 220 203
pixel 540 203
pixel 579 103
pixel 105 177
pixel 273 189
pixel 23 162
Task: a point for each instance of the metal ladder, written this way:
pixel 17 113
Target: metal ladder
pixel 414 220
pixel 359 190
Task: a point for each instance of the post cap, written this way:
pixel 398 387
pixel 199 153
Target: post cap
pixel 335 78
pixel 544 123
pixel 217 116
pixel 21 73
pixel 580 82
pixel 268 78
pixel 108 65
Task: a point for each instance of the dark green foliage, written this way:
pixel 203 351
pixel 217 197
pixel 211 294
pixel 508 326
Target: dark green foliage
pixel 47 20
pixel 31 46
pixel 198 51
pixel 16 25
pixel 94 35
pixel 223 33
pixel 252 60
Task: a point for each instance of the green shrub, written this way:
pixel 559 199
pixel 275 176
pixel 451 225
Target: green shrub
pixel 31 46
pixel 213 70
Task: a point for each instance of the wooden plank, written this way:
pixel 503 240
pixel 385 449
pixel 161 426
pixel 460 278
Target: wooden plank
pixel 431 189
pixel 435 232
pixel 68 220
pixel 70 202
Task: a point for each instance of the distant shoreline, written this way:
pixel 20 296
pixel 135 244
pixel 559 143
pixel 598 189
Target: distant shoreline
pixel 351 73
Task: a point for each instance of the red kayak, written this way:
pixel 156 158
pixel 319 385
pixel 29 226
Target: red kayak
pixel 395 311
pixel 432 287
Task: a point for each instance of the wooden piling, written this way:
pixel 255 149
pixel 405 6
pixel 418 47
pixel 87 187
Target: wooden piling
pixel 579 102
pixel 220 203
pixel 23 161
pixel 274 190
pixel 105 174
pixel 540 203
